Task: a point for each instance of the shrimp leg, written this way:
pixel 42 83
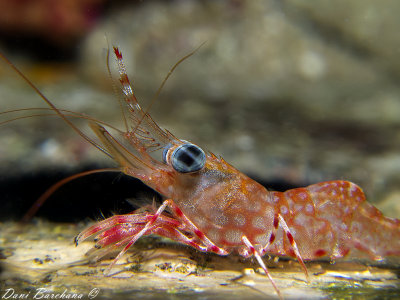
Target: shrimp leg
pixel 252 251
pixel 126 230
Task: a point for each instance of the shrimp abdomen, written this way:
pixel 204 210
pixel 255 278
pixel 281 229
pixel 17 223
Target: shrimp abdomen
pixel 333 219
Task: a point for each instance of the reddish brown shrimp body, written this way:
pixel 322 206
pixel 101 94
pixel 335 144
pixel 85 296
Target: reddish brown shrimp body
pixel 213 207
pixel 216 208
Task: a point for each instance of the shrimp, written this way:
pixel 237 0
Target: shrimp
pixel 213 207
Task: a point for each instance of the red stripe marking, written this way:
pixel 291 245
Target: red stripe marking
pixel 117 53
pixel 178 212
pixel 214 249
pixel 290 237
pixel 272 238
pixel 344 252
pixel 290 253
pixel 199 234
pixel 276 222
pixel 320 252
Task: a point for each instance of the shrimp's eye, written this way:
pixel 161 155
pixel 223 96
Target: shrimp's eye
pixel 165 153
pixel 188 158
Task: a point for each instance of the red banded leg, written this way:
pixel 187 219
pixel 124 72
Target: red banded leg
pixel 252 251
pixel 160 228
pixel 121 234
pixel 125 230
pixel 142 232
pixel 114 240
pixel 116 229
pixel 293 245
pixel 179 236
pixel 190 227
pixel 278 219
pixel 119 223
pixel 272 237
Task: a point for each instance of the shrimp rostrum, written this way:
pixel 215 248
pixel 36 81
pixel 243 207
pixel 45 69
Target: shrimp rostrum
pixel 213 207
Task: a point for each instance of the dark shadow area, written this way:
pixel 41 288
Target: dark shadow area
pixel 92 196
pixel 38 48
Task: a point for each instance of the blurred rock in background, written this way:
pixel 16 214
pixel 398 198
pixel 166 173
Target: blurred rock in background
pixel 32 26
pixel 291 91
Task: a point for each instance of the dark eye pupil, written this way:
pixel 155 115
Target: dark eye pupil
pixel 188 158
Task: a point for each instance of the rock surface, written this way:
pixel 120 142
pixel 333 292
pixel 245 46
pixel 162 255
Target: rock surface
pixel 43 259
pixel 283 90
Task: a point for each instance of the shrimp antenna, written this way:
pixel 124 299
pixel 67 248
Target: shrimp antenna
pixel 155 97
pixel 58 112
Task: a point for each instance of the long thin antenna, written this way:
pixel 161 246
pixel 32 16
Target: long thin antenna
pixel 67 113
pixel 62 116
pixel 163 83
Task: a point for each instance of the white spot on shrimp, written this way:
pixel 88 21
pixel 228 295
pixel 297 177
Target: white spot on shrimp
pixel 199 221
pixel 301 219
pixel 221 220
pixel 298 207
pixel 261 239
pixel 333 192
pixel 213 235
pixel 284 210
pixel 302 196
pixel 269 213
pixel 254 206
pixel 258 222
pixel 343 226
pixel 233 236
pixel 353 189
pixel 309 208
pixel 329 235
pixel 236 206
pixel 267 197
pixel 239 220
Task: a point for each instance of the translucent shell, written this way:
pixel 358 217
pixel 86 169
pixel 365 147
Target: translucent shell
pixel 185 158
